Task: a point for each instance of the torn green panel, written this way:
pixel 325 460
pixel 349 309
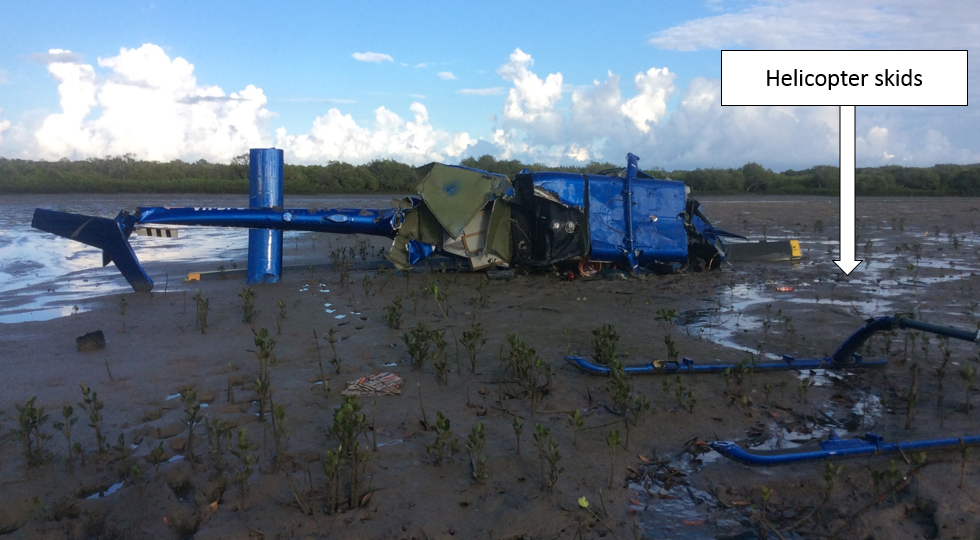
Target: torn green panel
pixel 455 195
pixel 419 224
pixel 498 231
pixel 399 253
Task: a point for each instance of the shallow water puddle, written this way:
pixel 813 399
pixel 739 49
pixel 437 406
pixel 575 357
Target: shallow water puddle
pixel 108 491
pixel 668 506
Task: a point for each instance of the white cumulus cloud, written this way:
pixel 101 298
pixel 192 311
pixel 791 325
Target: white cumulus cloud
pixel 599 123
pixel 337 136
pixel 150 105
pixel 650 102
pixel 531 101
pixel 447 76
pixel 372 57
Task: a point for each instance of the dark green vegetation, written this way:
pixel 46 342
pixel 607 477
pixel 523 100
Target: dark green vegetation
pixel 125 174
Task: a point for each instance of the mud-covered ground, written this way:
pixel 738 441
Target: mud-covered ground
pixel 666 483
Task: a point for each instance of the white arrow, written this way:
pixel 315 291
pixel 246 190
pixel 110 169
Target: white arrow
pixel 846 261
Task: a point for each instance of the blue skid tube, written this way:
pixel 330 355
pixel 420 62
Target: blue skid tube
pixel 837 448
pixel 686 365
pixel 845 356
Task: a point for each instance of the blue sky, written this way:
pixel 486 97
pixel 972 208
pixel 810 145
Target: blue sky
pixel 552 82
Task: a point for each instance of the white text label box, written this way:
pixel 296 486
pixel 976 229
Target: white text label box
pixel 843 78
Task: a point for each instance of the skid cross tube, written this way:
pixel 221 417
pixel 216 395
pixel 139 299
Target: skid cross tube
pixel 837 448
pixel 845 356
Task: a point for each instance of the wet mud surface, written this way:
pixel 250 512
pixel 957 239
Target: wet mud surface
pixel 922 257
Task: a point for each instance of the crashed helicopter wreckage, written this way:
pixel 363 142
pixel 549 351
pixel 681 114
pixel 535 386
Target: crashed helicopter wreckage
pixel 534 220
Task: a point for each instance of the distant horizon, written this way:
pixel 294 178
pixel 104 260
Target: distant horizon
pixel 457 162
pixel 560 84
pixel 123 174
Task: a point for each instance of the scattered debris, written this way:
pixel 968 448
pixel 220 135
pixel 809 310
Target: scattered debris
pixel 379 384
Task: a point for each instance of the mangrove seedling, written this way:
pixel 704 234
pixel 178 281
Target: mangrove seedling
pixel 192 417
pixel 576 421
pixel 332 464
pixel 414 298
pixel 280 435
pixel 474 446
pixel 532 375
pixel 348 424
pixel 473 340
pixel 442 300
pixel 541 441
pixel 217 433
pixel 445 444
pixel 417 340
pixel 613 441
pixel 941 375
pixel 362 249
pixel 90 404
pixel 518 426
pixel 554 456
pixel 439 361
pixel 319 359
pixel 280 316
pixel 969 374
pixel 346 266
pixel 665 386
pixel 374 426
pixel 482 293
pixel 830 474
pixel 619 387
pixel 680 391
pixel 604 341
pixel 202 311
pixel 804 388
pixel 393 314
pixel 666 318
pixel 68 413
pixel 248 305
pixel 230 390
pixel 30 420
pixel 244 465
pixel 963 451
pixel 157 456
pixel 425 419
pixel 912 397
pixel 264 346
pixel 367 283
pixel 122 452
pixel 335 361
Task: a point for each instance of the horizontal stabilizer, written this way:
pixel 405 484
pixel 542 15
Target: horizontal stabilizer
pixel 103 233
